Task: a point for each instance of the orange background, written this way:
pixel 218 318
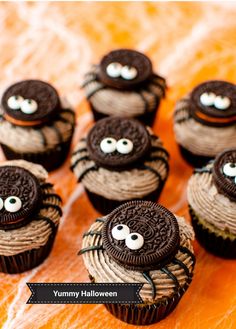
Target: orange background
pixel 188 43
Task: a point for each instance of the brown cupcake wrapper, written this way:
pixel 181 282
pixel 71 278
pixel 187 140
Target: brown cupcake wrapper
pixel 217 245
pixel 147 118
pixel 26 260
pixel 141 314
pixel 105 206
pixel 194 160
pixel 50 159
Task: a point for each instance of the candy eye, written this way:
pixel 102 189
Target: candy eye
pixel 1 204
pixel 229 169
pixel 114 70
pixel 134 241
pixel 120 232
pixel 222 103
pixel 124 146
pixel 207 99
pixel 108 145
pixel 29 106
pixel 129 72
pixel 12 204
pixel 14 102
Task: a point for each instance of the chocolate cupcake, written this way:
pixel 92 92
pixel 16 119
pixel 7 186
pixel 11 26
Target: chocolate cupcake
pixel 124 84
pixel 205 121
pixel 34 125
pixel 29 215
pixel 212 204
pixel 141 242
pixel 120 160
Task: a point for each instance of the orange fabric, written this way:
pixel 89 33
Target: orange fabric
pixel 188 43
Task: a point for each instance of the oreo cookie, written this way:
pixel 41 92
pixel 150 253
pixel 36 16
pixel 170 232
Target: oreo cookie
pixel 30 103
pixel 141 235
pixel 19 196
pixel 124 69
pixel 224 173
pixel 213 103
pixel 117 143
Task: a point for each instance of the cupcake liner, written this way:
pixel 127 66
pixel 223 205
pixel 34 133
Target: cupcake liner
pixel 50 159
pixel 146 118
pixel 28 259
pixel 194 160
pixel 141 314
pixel 105 206
pixel 215 244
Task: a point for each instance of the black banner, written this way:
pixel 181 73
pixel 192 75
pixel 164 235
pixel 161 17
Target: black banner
pixel 85 293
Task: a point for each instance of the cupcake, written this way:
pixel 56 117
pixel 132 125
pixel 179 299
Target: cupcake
pixel 29 215
pixel 118 161
pixel 141 242
pixel 124 84
pixel 212 204
pixel 34 125
pixel 205 121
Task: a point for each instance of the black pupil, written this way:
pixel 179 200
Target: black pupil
pixel 12 201
pixel 29 101
pixel 120 227
pixel 233 165
pixel 125 143
pixel 134 237
pixel 108 141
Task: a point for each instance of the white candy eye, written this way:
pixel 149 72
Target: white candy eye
pixel 114 70
pixel 134 241
pixel 207 99
pixel 129 72
pixel 1 204
pixel 222 103
pixel 14 102
pixel 229 169
pixel 13 204
pixel 120 232
pixel 29 106
pixel 124 146
pixel 108 145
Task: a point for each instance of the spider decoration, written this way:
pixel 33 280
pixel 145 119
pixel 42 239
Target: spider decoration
pixel 144 237
pixel 115 145
pixel 126 70
pixel 212 103
pixel 24 198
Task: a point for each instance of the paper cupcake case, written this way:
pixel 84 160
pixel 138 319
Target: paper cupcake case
pixel 28 259
pixel 50 159
pixel 215 244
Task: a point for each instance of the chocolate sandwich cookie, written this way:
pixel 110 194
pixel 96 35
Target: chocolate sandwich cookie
pixel 212 204
pixel 141 242
pixel 205 121
pixel 124 84
pixel 29 216
pixel 19 196
pixel 120 160
pixel 34 124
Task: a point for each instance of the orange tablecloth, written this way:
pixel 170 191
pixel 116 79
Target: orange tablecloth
pixel 188 43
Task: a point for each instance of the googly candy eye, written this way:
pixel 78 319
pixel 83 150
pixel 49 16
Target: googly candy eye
pixel 222 103
pixel 12 204
pixel 207 99
pixel 29 106
pixel 120 232
pixel 14 102
pixel 108 145
pixel 114 70
pixel 229 169
pixel 129 72
pixel 1 203
pixel 134 241
pixel 124 146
